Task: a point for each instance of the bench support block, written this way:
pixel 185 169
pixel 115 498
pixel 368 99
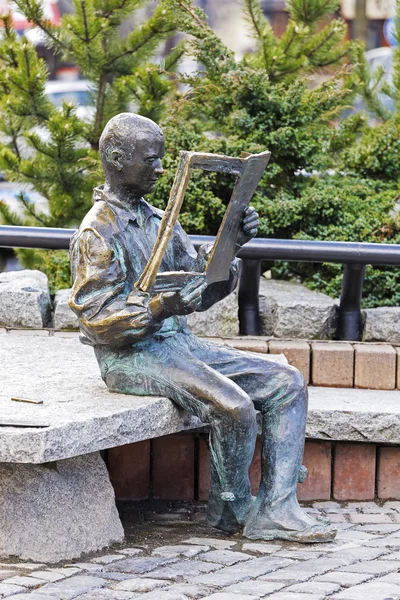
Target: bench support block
pixel 57 511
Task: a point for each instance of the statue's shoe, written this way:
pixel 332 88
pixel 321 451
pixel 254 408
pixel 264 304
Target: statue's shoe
pixel 226 512
pixel 320 532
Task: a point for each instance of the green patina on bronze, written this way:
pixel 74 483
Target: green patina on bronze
pixel 144 347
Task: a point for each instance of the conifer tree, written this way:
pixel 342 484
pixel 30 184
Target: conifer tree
pixel 53 150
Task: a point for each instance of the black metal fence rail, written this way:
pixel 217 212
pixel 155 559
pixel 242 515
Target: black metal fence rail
pixel 353 255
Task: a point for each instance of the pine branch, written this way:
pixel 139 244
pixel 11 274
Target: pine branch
pixel 29 207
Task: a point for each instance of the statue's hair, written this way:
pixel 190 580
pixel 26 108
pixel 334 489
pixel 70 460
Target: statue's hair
pixel 120 129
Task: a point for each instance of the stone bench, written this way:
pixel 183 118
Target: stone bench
pixel 56 500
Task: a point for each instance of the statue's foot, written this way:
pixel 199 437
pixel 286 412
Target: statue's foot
pixel 287 521
pixel 226 512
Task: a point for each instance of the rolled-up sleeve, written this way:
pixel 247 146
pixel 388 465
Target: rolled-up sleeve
pixel 108 314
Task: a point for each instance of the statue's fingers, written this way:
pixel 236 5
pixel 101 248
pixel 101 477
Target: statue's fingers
pixel 188 298
pixel 251 225
pixel 192 285
pixel 250 217
pixel 249 210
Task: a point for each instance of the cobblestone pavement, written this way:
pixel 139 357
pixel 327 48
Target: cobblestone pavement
pixel 175 556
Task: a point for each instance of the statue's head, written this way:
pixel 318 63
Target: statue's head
pixel 131 149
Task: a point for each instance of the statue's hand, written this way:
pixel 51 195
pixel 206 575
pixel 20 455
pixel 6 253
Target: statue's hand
pixel 248 227
pixel 202 257
pixel 185 301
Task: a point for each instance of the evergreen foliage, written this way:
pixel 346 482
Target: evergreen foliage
pixel 53 150
pixel 328 178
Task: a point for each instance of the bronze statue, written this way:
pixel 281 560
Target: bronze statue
pixel 143 346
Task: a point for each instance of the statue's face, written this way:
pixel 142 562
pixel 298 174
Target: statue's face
pixel 140 169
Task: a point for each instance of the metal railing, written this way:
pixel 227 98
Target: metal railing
pixel 353 255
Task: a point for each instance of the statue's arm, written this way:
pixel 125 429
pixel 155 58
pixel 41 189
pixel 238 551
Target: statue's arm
pixel 107 313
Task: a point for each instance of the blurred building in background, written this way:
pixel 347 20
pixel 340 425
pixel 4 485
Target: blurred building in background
pixel 368 20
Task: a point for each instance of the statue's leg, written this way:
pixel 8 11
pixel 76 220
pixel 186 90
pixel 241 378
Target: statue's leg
pixel 276 512
pixel 168 368
pixel 280 394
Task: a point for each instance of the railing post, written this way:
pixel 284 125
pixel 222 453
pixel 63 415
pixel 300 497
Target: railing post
pixel 249 287
pixel 350 302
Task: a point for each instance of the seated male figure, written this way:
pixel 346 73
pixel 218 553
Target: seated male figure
pixel 143 345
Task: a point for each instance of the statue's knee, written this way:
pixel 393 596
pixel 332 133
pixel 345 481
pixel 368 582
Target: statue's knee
pixel 244 410
pixel 237 407
pixel 297 382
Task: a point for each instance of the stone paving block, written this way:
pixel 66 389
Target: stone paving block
pixel 70 588
pixel 361 553
pixel 354 471
pixel 296 352
pixel 252 568
pixel 256 587
pixel 6 573
pixel 49 576
pixel 314 587
pixel 371 591
pixel 332 364
pixel 173 467
pixel 224 557
pixel 337 518
pixel 388 471
pixel 390 578
pixel 24 581
pixel 305 570
pixel 129 470
pixel 189 590
pixel 9 589
pixel 392 505
pixel 299 554
pixel 365 518
pixel 139 584
pixel 163 595
pixel 140 565
pixel 329 506
pixel 381 529
pixel 104 594
pixel 229 596
pixel 318 459
pixel 375 367
pixel 393 556
pixel 180 550
pixel 184 569
pixel 296 596
pixel 344 579
pixel 261 548
pixel 106 559
pixel 374 567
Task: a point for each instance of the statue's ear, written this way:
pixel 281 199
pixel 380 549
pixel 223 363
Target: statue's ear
pixel 116 159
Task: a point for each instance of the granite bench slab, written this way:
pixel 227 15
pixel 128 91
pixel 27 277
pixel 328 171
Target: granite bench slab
pixel 84 417
pixel 56 499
